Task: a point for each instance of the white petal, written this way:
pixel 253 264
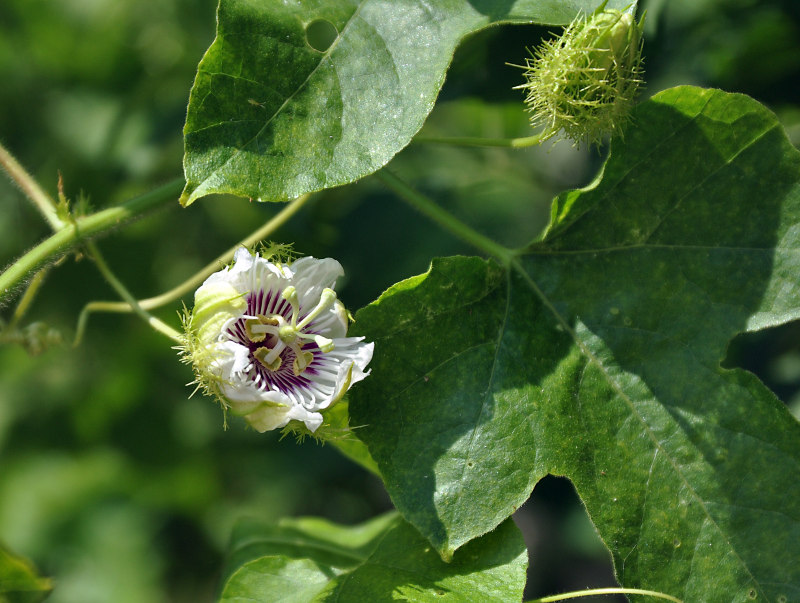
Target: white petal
pixel 332 323
pixel 339 369
pixel 311 276
pixel 361 358
pixel 313 420
pixel 246 400
pixel 238 357
pixel 266 416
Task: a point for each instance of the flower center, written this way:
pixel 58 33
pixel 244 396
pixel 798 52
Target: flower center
pixel 275 331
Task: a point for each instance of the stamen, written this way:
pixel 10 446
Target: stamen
pixel 275 352
pixel 301 362
pixel 324 344
pixel 290 295
pixel 263 356
pixel 326 300
pixel 257 328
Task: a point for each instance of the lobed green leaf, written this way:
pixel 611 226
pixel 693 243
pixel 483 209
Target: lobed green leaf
pixel 596 355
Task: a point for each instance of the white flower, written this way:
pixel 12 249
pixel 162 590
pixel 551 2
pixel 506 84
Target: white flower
pixel 268 339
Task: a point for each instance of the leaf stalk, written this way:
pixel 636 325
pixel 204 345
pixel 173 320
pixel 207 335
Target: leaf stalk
pixel 28 185
pixel 474 141
pixel 138 306
pixel 443 218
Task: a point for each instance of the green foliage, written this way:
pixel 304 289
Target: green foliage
pixel 19 582
pixel 272 117
pixel 596 355
pixel 381 560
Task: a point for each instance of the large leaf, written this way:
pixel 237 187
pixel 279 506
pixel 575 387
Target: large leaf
pixel 271 117
pixel 596 354
pixel 384 559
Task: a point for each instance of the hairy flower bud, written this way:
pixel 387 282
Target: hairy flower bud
pixel 584 82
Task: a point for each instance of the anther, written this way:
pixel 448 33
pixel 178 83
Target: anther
pixel 301 362
pixel 326 300
pixel 268 358
pixel 324 344
pixel 257 328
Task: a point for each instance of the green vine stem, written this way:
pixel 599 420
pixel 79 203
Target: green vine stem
pixel 27 298
pixel 105 270
pixel 81 229
pixel 192 283
pixel 472 141
pixel 443 218
pixel 605 591
pixel 43 202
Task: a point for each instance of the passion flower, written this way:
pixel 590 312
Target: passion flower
pixel 268 340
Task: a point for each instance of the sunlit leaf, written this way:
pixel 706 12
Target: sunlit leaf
pixel 295 97
pixel 596 354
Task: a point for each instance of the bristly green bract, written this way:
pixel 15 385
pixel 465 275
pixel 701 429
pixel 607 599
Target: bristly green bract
pixel 584 83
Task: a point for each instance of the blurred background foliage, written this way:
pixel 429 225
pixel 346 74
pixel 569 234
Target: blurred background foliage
pixel 112 480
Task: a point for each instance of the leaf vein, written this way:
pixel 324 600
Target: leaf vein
pixel 631 406
pixel 728 162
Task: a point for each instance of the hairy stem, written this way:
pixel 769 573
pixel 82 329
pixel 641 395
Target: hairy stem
pixel 27 298
pixel 446 220
pixel 192 283
pixel 123 292
pixel 81 229
pixel 473 141
pixel 28 185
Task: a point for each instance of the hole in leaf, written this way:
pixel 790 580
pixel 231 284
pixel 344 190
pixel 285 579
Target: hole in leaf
pixel 751 594
pixel 320 34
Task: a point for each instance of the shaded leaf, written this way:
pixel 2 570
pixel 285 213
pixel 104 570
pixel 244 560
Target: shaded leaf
pixel 596 355
pixel 381 560
pixel 272 117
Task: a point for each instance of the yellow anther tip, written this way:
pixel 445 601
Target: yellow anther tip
pixel 290 294
pixel 324 344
